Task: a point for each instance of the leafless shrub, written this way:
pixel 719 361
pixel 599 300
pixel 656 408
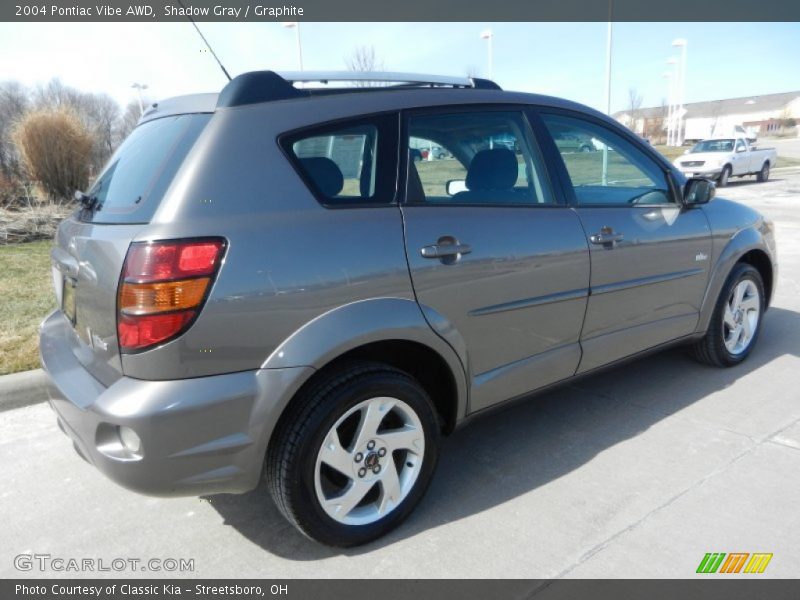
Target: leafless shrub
pixel 55 148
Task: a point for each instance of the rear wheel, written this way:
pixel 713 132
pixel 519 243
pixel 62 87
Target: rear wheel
pixel 763 174
pixel 736 321
pixel 356 456
pixel 724 176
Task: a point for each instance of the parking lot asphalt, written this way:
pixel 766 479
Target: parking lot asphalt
pixel 638 472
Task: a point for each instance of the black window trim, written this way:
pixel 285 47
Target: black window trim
pixel 387 124
pixel 560 169
pixel 559 200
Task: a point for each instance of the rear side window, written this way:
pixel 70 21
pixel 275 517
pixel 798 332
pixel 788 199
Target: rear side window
pixel 348 164
pixel 131 185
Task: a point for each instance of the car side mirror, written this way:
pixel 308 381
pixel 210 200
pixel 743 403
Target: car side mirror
pixel 698 191
pixel 741 149
pixel 455 186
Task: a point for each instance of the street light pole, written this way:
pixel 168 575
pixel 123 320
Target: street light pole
pixel 675 75
pixel 609 39
pixel 668 76
pixel 139 87
pixel 681 43
pixel 489 36
pixel 296 26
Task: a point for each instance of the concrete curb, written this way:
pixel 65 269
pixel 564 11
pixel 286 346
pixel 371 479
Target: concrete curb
pixel 22 389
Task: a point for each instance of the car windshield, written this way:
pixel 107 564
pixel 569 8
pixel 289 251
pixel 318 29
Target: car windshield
pixel 713 146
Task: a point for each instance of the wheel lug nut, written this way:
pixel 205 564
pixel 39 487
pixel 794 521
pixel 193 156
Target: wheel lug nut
pixel 382 452
pixel 362 472
pixel 370 445
pixel 376 469
pixel 359 457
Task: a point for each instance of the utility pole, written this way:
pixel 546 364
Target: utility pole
pixel 296 26
pixel 488 35
pixel 609 39
pixel 139 87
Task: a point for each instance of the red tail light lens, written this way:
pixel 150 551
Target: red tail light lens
pixel 163 288
pixel 163 261
pixel 139 332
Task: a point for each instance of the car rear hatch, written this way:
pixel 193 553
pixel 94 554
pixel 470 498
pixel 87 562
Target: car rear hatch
pixel 91 245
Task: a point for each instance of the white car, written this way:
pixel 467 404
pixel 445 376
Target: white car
pixel 723 158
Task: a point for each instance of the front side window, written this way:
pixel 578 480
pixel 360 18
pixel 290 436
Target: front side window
pixel 474 158
pixel 603 167
pixel 347 164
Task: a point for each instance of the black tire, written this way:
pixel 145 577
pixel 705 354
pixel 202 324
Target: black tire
pixel 723 178
pixel 291 458
pixel 711 349
pixel 763 174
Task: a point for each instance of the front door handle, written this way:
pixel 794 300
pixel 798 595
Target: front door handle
pixel 445 250
pixel 607 238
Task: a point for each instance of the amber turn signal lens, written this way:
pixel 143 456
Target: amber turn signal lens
pixel 148 298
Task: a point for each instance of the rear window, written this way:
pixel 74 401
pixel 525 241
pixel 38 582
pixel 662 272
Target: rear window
pixel 131 185
pixel 347 164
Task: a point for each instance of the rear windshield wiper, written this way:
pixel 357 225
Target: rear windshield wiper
pixel 87 201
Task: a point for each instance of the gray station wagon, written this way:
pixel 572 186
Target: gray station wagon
pixel 262 283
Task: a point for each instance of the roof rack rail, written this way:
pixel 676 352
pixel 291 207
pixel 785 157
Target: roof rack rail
pixel 265 86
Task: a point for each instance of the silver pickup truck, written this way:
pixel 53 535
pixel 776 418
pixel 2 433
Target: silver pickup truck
pixel 724 158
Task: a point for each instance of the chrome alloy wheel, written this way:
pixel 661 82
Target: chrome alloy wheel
pixel 741 317
pixel 369 461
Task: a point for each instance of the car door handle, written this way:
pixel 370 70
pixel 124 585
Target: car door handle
pixel 606 237
pixel 445 250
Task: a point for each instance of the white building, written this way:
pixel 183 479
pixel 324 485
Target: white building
pixel 759 115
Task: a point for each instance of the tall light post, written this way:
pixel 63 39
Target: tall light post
pixel 681 43
pixel 139 87
pixel 670 92
pixel 489 36
pixel 673 63
pixel 609 40
pixel 296 26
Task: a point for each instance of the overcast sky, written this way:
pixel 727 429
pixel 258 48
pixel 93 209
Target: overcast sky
pixel 563 59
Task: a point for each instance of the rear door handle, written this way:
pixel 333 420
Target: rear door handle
pixel 445 250
pixel 606 237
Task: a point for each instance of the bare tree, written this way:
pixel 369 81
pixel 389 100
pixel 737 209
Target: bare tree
pixel 129 119
pixel 55 147
pixel 14 102
pixel 634 108
pixel 363 59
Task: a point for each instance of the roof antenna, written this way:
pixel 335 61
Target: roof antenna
pixel 200 33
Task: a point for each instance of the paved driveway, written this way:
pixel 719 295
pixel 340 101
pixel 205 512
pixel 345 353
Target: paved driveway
pixel 634 473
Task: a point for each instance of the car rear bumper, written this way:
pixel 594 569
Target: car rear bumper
pixel 198 436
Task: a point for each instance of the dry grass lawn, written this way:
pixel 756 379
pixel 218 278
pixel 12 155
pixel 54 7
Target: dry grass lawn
pixel 27 297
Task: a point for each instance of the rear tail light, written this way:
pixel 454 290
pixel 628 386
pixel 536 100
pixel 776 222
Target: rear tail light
pixel 163 287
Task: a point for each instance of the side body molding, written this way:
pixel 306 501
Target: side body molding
pixel 353 325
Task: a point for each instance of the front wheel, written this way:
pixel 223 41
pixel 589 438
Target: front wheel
pixel 355 456
pixel 724 176
pixel 736 321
